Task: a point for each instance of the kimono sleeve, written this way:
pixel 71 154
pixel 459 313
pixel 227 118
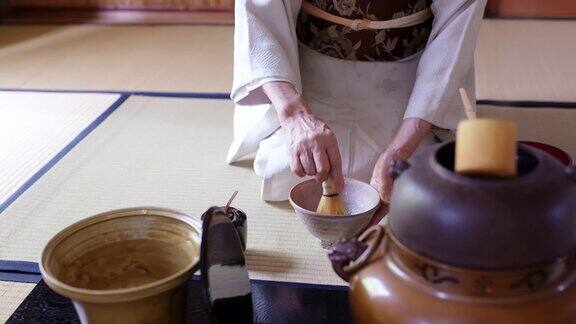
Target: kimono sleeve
pixel 265 48
pixel 447 63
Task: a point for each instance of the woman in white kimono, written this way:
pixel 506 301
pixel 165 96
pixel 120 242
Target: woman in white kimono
pixel 343 87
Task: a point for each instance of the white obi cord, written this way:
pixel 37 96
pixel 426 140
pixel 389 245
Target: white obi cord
pixel 358 24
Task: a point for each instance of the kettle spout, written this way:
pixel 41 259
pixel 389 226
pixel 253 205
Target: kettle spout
pixel 397 167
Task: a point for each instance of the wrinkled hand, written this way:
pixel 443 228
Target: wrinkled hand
pixel 313 149
pixel 411 133
pixel 381 179
pixel 312 145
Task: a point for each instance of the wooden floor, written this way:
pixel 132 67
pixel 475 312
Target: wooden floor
pixel 532 8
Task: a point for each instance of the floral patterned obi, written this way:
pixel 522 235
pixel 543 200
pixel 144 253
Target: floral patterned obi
pixel 368 44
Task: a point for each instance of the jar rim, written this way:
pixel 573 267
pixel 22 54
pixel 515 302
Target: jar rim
pixel 123 294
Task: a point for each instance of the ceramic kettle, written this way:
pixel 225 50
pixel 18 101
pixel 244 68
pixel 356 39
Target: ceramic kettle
pixel 462 249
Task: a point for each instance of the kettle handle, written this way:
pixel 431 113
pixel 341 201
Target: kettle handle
pixel 350 255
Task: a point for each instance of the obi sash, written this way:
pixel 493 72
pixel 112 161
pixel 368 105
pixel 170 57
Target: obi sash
pixel 359 43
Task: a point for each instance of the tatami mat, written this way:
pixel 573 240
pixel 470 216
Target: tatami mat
pixel 11 295
pixel 516 59
pixel 34 127
pixel 547 125
pixel 169 153
pixel 520 59
pixel 126 58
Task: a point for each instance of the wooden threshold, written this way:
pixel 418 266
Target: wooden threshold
pixel 531 8
pixel 116 17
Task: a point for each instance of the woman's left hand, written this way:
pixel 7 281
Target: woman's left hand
pixel 411 133
pixel 381 178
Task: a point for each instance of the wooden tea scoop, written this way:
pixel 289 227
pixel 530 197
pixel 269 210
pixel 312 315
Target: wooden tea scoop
pixel 330 202
pixel 230 202
pixel 485 146
pixel 468 107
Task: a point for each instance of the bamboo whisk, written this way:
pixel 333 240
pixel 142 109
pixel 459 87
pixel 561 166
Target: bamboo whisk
pixel 331 202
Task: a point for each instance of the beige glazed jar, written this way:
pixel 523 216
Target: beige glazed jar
pixel 125 266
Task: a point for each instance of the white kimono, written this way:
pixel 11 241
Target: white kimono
pixel 362 102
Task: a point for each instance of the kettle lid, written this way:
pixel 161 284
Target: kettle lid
pixel 482 222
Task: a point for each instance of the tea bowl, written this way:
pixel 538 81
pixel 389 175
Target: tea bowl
pixel 125 266
pixel 360 199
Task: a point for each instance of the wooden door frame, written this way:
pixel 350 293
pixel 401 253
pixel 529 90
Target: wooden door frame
pixel 32 12
pixel 531 8
pixel 116 17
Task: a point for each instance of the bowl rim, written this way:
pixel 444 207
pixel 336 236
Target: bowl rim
pixel 123 294
pixel 319 215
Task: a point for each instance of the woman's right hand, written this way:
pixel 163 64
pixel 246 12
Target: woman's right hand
pixel 312 145
pixel 313 148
